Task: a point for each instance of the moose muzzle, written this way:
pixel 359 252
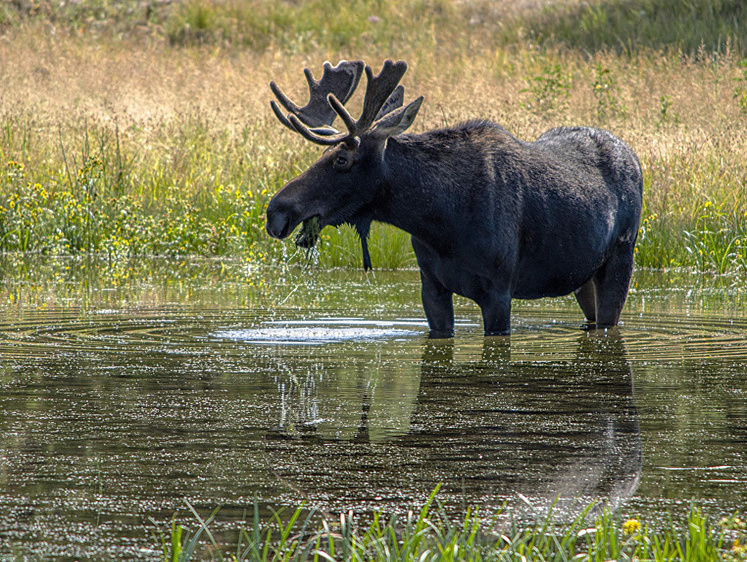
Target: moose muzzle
pixel 280 220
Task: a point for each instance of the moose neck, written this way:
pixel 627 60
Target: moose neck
pixel 417 192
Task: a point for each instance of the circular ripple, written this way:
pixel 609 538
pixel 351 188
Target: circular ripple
pixel 538 333
pixel 123 331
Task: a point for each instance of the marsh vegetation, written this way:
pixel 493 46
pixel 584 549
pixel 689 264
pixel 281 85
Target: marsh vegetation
pixel 143 128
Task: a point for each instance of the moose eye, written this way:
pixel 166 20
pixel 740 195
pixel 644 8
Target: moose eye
pixel 342 162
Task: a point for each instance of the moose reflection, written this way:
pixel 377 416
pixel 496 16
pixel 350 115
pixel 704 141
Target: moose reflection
pixel 488 430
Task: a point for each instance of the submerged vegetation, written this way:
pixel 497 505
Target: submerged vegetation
pixel 142 127
pixel 430 534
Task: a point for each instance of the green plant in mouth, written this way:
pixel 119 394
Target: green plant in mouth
pixel 308 236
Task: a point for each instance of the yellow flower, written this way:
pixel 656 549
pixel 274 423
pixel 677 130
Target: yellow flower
pixel 631 526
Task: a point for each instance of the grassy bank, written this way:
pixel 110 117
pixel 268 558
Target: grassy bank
pixel 431 535
pixel 139 128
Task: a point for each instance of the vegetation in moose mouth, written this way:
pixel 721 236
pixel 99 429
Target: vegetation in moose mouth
pixel 308 236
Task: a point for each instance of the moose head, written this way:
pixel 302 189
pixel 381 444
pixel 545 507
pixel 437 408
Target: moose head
pixel 339 187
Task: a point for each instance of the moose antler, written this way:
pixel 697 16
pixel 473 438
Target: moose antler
pixel 395 101
pixel 340 81
pixel 383 97
pixel 379 88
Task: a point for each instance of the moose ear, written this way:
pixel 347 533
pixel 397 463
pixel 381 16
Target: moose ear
pixel 396 122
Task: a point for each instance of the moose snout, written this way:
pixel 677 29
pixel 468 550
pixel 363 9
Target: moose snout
pixel 280 220
pixel 277 224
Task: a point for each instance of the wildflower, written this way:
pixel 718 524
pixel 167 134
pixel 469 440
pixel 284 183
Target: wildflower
pixel 631 526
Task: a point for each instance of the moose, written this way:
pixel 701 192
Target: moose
pixel 491 217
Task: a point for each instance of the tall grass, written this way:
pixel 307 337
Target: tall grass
pixel 307 26
pixel 134 127
pixel 632 25
pixel 430 534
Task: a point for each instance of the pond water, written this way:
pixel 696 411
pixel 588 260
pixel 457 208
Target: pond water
pixel 127 390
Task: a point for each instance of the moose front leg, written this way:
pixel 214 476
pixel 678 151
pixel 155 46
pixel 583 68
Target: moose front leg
pixel 438 306
pixel 496 315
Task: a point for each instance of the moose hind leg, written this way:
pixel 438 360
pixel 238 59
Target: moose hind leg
pixel 587 300
pixel 611 282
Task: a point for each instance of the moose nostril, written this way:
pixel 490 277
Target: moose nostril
pixel 277 225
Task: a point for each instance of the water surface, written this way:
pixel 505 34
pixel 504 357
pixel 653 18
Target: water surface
pixel 124 393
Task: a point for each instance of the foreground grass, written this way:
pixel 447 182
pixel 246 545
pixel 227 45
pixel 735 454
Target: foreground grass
pixel 143 128
pixel 432 535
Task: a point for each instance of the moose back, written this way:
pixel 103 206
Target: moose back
pixel 491 217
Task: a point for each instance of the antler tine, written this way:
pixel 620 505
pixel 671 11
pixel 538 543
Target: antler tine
pixel 283 99
pixel 341 80
pixel 350 123
pixel 279 114
pixel 314 135
pixel 323 131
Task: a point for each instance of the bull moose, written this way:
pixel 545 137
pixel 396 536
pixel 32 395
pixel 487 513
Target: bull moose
pixel 491 217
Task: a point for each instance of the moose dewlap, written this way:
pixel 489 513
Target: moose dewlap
pixel 491 217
